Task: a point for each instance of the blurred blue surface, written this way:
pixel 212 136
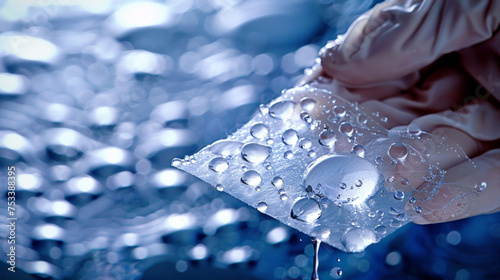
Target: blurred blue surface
pixel 97 98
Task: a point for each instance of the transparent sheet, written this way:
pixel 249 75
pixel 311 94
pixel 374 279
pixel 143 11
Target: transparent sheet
pixel 319 164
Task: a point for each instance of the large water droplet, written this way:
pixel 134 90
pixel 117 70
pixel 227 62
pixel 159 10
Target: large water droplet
pixel 358 150
pixel 259 131
pixel 255 153
pixel 398 151
pixel 346 129
pixel 321 232
pixel 262 206
pixel 307 103
pixel 225 147
pixel 290 137
pixel 399 195
pixel 218 164
pixel 251 178
pixel 331 171
pixel 281 109
pixel 327 138
pixel 306 210
pixel 356 239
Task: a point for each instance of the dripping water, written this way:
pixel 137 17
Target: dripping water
pixel 316 243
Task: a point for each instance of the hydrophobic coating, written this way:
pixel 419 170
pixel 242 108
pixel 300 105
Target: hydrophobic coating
pixel 326 174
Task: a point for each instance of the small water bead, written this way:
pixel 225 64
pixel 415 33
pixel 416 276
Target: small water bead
pixel 305 143
pixel 343 186
pixel 311 153
pixel 358 150
pixel 418 209
pixel 414 129
pixel 327 138
pixel 176 162
pixel 225 147
pixel 426 153
pixel 397 152
pixel 306 117
pixel 255 153
pixel 384 119
pixel 379 160
pixel 262 207
pixel 405 181
pixel 263 109
pixel 481 187
pixel 288 154
pixel 282 109
pixel 346 129
pixel 380 229
pixel 290 137
pixel 306 210
pixel 267 166
pixel 277 181
pixel 321 232
pixel 218 164
pixel 257 189
pixel 399 195
pixel 391 179
pixel 339 111
pixel 362 119
pixel 219 187
pixel 269 141
pixel 251 178
pixel 283 197
pixel 371 215
pixel 259 131
pixel 281 191
pixel 307 104
pixel 325 110
pixel 358 183
pixel 412 200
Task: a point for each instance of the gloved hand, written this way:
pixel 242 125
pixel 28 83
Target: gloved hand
pixel 434 65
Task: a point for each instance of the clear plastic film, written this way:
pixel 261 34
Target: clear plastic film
pixel 319 164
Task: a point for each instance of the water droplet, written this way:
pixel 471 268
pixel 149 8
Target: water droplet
pixel 311 153
pixel 356 240
pixel 269 141
pixel 305 143
pixel 225 147
pixel 290 137
pixel 481 187
pixel 281 191
pixel 391 179
pixel 362 119
pixel 398 152
pixel 380 229
pixel 399 195
pixel 255 153
pixel 405 181
pixel 339 111
pixel 306 210
pixel 218 164
pixel 371 215
pixel 281 109
pixel 283 197
pixel 263 109
pixel 426 153
pixel 288 154
pixel 257 189
pixel 346 129
pixel 262 206
pixel 412 200
pixel 321 232
pixel 339 271
pixel 307 104
pixel 251 178
pixel 176 162
pixel 414 129
pixel 418 209
pixel 358 150
pixel 259 131
pixel 379 160
pixel 219 187
pixel 306 117
pixel 327 138
pixel 333 174
pixel 384 119
pixel 277 181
